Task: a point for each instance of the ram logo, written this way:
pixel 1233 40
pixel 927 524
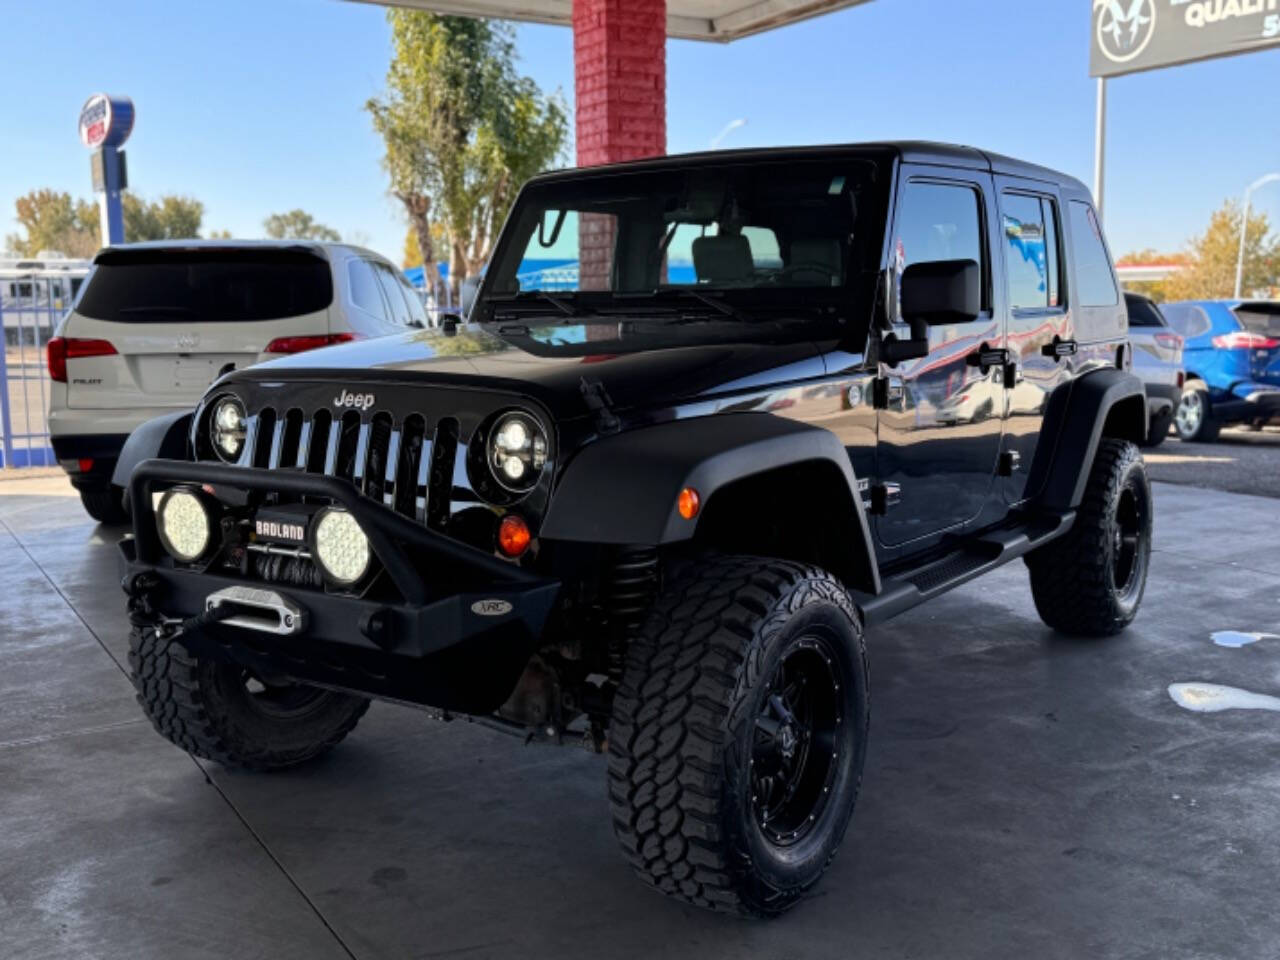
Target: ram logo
pixel 358 401
pixel 491 608
pixel 1125 27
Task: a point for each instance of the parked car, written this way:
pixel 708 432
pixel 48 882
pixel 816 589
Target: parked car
pixel 155 323
pixel 652 516
pixel 1231 349
pixel 1157 360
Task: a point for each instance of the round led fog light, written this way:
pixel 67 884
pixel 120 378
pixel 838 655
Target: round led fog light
pixel 183 525
pixel 341 547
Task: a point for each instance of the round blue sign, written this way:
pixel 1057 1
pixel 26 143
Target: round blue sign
pixel 105 121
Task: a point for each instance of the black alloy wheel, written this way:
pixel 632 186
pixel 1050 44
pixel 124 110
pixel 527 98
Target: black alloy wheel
pixel 797 742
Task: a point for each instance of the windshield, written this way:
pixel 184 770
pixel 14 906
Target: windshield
pixel 209 285
pixel 706 234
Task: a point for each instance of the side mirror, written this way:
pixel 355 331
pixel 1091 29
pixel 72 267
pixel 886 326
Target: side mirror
pixel 449 323
pixel 933 292
pixel 941 291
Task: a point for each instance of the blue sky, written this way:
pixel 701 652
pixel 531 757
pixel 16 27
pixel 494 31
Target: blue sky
pixel 256 107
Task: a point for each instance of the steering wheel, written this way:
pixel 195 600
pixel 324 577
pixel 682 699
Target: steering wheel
pixel 809 266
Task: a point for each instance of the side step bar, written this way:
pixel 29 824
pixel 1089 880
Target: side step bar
pixel 969 558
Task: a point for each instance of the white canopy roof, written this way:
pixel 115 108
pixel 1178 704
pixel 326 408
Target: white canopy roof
pixel 720 20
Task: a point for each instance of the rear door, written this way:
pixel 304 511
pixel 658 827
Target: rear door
pixel 165 322
pixel 1031 243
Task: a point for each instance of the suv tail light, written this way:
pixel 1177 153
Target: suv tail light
pixel 301 344
pixel 61 349
pixel 1244 340
pixel 1170 341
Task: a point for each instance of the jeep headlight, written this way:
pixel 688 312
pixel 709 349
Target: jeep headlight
pixel 340 546
pixel 517 451
pixel 183 524
pixel 227 429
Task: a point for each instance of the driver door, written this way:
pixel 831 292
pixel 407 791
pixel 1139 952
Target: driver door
pixel 939 438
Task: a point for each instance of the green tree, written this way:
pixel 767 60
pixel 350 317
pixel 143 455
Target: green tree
pixel 413 254
pixel 461 130
pixel 298 225
pixel 172 217
pixel 53 220
pixel 1210 271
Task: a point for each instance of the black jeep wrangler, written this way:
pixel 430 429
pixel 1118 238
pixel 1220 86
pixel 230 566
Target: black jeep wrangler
pixel 711 417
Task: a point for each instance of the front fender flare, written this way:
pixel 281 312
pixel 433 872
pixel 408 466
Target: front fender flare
pixel 622 489
pixel 162 438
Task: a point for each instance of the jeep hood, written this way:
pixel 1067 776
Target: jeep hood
pixel 475 358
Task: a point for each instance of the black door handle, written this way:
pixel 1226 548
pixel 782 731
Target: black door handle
pixel 985 357
pixel 1059 349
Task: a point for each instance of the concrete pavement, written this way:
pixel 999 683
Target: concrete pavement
pixel 1025 795
pixel 1240 461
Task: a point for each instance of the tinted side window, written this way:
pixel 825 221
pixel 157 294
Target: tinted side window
pixel 1187 319
pixel 391 289
pixel 1095 284
pixel 1031 251
pixel 417 311
pixel 940 222
pixel 1142 313
pixel 364 288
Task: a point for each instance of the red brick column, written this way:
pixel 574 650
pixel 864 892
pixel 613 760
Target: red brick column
pixel 620 85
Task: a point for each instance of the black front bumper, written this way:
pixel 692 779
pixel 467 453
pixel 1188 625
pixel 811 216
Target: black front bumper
pixel 457 637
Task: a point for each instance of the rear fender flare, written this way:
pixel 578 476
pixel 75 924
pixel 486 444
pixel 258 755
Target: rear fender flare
pixel 622 489
pixel 1106 402
pixel 164 438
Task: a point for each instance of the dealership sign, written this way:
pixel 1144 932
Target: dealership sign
pixel 1133 35
pixel 105 121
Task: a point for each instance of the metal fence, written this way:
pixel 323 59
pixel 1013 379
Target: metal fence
pixel 31 305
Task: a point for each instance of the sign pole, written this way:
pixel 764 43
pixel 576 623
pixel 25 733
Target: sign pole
pixel 110 209
pixel 1100 146
pixel 1244 225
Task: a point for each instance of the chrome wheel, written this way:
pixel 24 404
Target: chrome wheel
pixel 1190 413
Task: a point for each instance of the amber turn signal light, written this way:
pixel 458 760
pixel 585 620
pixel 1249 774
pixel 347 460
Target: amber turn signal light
pixel 688 503
pixel 513 535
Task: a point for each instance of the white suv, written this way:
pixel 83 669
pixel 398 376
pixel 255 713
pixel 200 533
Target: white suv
pixel 156 323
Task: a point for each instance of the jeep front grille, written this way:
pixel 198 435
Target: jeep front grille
pixel 408 464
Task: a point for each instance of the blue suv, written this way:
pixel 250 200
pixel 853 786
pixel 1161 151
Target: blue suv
pixel 1232 355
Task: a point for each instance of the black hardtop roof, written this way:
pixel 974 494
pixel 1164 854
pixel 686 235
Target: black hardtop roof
pixel 909 151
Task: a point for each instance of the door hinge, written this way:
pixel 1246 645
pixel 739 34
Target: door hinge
pixel 1010 463
pixel 885 496
pixel 884 391
pixel 1011 374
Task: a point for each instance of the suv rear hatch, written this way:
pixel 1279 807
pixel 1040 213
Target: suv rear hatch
pixel 1261 338
pixel 166 321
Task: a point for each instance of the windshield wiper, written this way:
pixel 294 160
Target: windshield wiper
pixel 716 304
pixel 559 302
